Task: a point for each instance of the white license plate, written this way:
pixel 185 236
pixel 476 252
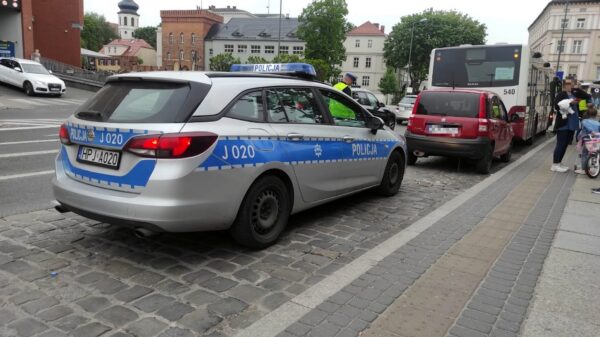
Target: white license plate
pixel 437 129
pixel 54 89
pixel 99 157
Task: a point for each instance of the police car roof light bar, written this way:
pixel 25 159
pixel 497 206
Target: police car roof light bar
pixel 293 69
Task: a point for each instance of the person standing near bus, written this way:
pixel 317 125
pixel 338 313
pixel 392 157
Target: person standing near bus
pixel 567 122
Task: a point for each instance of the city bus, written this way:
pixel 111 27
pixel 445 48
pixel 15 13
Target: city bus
pixel 512 71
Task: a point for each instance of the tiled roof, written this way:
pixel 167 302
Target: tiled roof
pixel 133 45
pixel 367 29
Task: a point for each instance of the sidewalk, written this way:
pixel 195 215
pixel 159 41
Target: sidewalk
pixel 470 269
pixel 567 298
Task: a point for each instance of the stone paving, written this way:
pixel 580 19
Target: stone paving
pixel 65 275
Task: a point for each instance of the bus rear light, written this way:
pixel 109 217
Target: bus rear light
pixel 63 134
pixel 177 145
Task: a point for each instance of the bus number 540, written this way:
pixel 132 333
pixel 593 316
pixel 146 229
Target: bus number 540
pixel 510 91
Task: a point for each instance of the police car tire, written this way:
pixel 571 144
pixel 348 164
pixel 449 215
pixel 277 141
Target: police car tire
pixel 244 231
pixel 393 175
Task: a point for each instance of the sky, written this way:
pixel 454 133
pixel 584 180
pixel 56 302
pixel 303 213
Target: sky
pixel 506 20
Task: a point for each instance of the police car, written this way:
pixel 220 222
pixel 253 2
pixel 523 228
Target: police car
pixel 198 151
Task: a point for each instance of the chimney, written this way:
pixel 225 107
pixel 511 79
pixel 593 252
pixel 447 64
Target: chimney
pixel 376 25
pixel 382 29
pixel 234 7
pixel 228 6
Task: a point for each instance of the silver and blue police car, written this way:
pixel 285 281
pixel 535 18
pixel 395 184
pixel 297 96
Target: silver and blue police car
pixel 198 151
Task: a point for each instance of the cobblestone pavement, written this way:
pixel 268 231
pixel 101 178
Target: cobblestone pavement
pixel 62 274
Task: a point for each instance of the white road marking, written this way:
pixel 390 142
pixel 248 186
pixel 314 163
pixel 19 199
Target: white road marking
pixel 22 154
pixel 27 101
pixel 278 320
pixel 25 175
pixel 31 141
pixel 30 128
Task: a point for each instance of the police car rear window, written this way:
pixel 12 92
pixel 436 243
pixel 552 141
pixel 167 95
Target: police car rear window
pixel 137 102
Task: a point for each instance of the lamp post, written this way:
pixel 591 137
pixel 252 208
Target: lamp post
pixel 279 36
pixel 561 42
pixel 412 34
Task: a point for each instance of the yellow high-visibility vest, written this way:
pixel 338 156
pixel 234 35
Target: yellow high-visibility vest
pixel 341 86
pixel 582 105
pixel 339 110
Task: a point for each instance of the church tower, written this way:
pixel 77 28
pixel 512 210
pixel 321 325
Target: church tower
pixel 129 19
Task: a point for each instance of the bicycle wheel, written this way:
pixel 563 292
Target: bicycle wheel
pixel 593 166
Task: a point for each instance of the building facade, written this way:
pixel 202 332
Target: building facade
pixel 580 46
pixel 182 35
pixel 364 55
pixel 51 26
pixel 129 52
pixel 245 37
pixel 129 19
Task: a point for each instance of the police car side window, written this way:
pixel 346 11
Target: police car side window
pixel 343 111
pixel 293 105
pixel 248 107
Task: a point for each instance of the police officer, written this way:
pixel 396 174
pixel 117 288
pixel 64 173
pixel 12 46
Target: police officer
pixel 344 85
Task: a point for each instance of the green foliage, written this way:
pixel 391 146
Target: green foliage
pixel 147 34
pixel 442 29
pixel 223 62
pixel 287 58
pixel 96 32
pixel 140 61
pixel 321 67
pixel 388 84
pixel 322 25
pixel 253 59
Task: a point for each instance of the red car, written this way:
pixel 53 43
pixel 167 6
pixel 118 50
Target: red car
pixel 466 123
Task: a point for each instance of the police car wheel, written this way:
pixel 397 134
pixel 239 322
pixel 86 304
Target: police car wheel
pixel 393 175
pixel 263 213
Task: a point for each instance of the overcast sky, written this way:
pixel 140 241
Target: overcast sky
pixel 507 20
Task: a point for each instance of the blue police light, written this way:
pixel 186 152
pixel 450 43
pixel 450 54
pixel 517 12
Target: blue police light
pixel 301 69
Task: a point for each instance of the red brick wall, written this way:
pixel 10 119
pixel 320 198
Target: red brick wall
pixel 187 22
pixel 53 31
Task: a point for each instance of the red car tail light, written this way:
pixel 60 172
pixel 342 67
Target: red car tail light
pixel 178 145
pixel 63 134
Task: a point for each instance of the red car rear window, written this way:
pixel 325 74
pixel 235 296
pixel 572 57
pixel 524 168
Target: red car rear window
pixel 453 104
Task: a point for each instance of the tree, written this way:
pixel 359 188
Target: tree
pixel 253 59
pixel 441 29
pixel 96 32
pixel 147 34
pixel 322 25
pixel 287 58
pixel 140 61
pixel 388 84
pixel 223 62
pixel 321 68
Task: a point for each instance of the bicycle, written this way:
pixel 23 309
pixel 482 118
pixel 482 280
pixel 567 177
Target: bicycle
pixel 592 144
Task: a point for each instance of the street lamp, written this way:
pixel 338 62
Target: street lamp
pixel 412 34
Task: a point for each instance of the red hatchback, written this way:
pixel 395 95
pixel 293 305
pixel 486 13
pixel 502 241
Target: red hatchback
pixel 459 123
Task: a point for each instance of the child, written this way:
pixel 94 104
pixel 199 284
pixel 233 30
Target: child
pixel 588 126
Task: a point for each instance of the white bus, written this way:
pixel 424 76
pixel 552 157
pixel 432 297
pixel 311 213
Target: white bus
pixel 512 71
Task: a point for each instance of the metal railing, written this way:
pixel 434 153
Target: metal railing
pixel 75 72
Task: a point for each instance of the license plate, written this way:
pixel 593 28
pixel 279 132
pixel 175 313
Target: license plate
pixel 99 157
pixel 438 129
pixel 54 89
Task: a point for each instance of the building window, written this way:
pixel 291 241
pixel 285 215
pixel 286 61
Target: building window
pixel 132 22
pixel 356 60
pixel 169 56
pixel 564 23
pixel 124 21
pixel 171 38
pixel 298 50
pixel 577 46
pixel 210 51
pixel 181 38
pixel 560 47
pixel 368 62
pixel 193 38
pixel 255 49
pixel 194 55
pixel 581 23
pixel 242 48
pixel 597 73
pixel 573 71
pixel 284 50
pixel 269 49
pixel 357 43
pixel 365 81
pixel 229 48
pixel 181 55
pixel 370 44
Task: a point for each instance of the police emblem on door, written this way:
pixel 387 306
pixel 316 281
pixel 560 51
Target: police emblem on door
pixel 90 135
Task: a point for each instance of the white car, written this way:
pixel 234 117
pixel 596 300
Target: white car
pixel 31 76
pixel 405 107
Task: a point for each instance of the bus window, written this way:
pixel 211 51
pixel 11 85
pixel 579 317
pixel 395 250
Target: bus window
pixel 496 66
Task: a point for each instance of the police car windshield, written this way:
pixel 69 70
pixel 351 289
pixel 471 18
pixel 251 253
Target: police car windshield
pixel 136 102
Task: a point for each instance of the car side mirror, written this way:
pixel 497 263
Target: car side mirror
pixel 49 71
pixel 18 69
pixel 381 104
pixel 514 118
pixel 374 123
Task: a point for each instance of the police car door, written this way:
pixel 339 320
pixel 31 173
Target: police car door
pixel 364 153
pixel 309 141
